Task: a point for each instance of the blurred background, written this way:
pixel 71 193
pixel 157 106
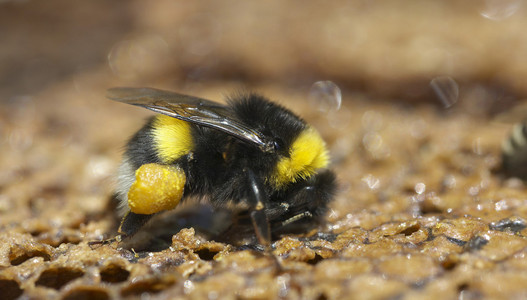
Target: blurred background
pixel 392 49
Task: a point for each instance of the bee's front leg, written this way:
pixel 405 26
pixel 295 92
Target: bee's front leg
pixel 258 201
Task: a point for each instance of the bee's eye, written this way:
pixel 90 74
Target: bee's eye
pixel 278 145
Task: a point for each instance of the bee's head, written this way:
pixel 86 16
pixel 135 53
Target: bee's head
pixel 299 151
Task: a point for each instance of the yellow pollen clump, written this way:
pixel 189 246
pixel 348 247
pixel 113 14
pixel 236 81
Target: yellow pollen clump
pixel 156 188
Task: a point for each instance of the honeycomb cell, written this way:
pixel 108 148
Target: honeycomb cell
pixel 92 293
pixel 10 289
pixel 57 277
pixel 114 273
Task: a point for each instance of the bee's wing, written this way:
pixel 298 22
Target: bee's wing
pixel 191 109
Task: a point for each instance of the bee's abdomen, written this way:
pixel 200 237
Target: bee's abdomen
pixel 172 138
pixel 514 152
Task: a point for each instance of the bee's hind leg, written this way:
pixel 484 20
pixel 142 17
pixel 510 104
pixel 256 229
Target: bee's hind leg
pixel 156 188
pixel 130 224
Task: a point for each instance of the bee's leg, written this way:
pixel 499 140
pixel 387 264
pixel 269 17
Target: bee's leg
pixel 130 224
pixel 296 218
pixel 258 201
pixel 304 205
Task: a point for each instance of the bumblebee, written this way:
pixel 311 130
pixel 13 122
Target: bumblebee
pixel 250 152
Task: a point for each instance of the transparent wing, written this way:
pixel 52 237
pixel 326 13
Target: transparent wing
pixel 191 109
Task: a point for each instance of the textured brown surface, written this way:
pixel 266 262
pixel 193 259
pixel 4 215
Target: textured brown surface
pixel 422 210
